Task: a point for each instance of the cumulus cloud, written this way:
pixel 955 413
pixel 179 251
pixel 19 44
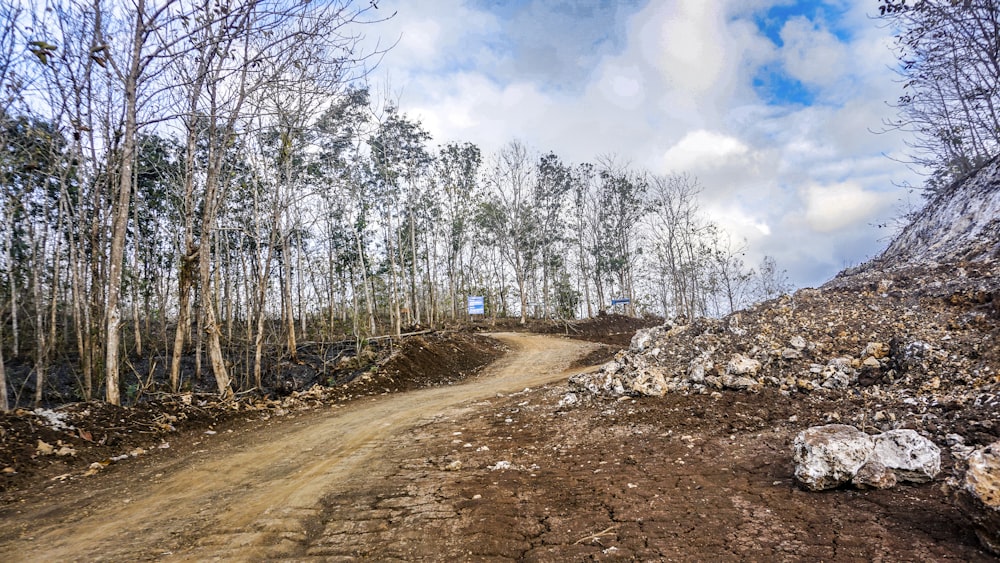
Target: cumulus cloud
pixel 841 206
pixel 812 54
pixel 702 149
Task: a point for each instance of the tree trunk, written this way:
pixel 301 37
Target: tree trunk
pixel 4 405
pixel 286 292
pixel 184 281
pixel 12 286
pixel 264 274
pixel 210 325
pixel 369 297
pixel 414 300
pixel 41 347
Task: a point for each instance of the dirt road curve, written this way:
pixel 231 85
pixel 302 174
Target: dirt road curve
pixel 257 496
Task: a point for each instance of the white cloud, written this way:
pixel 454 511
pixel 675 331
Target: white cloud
pixel 702 149
pixel 841 206
pixel 812 54
pixel 434 36
pixel 422 40
pixel 622 86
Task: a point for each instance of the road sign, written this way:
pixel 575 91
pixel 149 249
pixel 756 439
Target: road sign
pixel 477 305
pixel 622 301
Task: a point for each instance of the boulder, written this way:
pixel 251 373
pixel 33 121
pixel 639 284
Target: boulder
pixel 877 350
pixel 647 337
pixel 700 366
pixel 829 456
pixel 741 383
pixel 648 382
pixel 910 456
pixel 832 455
pixel 978 495
pixel 838 373
pixel 791 354
pixel 742 365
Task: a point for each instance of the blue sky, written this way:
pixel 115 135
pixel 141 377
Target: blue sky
pixel 771 104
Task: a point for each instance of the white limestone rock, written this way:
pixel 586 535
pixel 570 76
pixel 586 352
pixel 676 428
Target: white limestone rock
pixel 910 456
pixel 829 456
pixel 648 381
pixel 568 400
pixel 647 337
pixel 978 495
pixel 876 475
pixel 742 365
pixel 838 374
pixel 832 455
pixel 700 366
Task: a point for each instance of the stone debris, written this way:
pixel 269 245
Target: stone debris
pixel 44 448
pixel 54 419
pixel 568 400
pixel 915 342
pixel 977 494
pixel 829 456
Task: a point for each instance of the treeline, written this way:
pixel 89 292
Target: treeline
pixel 212 179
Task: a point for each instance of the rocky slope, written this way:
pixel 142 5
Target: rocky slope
pixel 962 223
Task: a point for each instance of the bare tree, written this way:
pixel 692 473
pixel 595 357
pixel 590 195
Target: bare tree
pixel 770 281
pixel 949 63
pixel 506 215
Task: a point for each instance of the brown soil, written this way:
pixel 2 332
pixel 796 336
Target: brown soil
pixel 420 476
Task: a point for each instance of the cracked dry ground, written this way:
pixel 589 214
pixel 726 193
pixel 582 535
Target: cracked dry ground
pixel 417 476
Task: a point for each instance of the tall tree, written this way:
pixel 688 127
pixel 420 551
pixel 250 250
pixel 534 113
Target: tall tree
pixel 623 201
pixel 506 217
pixel 456 174
pixel 133 68
pixel 553 182
pixel 399 160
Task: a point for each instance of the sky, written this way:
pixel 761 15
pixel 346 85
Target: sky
pixel 775 106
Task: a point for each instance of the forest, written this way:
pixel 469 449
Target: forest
pixel 219 179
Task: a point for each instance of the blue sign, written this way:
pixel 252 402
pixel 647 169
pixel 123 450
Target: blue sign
pixel 622 301
pixel 477 305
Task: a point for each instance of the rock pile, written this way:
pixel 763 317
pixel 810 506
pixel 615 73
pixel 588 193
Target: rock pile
pixel 928 331
pixel 920 345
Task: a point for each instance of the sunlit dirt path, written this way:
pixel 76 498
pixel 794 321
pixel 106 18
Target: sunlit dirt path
pixel 258 496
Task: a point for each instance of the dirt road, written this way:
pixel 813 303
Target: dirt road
pixel 257 496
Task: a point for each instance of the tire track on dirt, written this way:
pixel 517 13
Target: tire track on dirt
pixel 260 502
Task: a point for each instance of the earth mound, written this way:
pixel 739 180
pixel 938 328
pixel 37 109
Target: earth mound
pixel 77 438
